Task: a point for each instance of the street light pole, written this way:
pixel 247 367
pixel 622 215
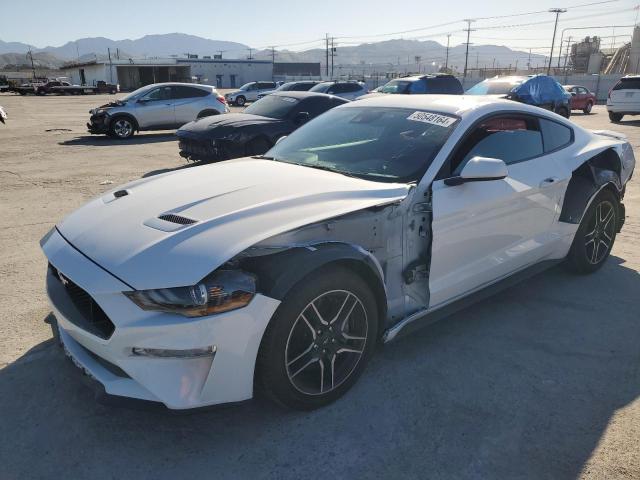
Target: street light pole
pixel 446 61
pixel 557 11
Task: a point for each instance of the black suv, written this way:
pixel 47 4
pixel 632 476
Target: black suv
pixel 422 84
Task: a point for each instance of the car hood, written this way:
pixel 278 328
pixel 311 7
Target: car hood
pixel 232 120
pixel 234 205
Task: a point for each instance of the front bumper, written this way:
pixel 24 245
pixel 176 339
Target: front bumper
pixel 179 383
pixel 98 124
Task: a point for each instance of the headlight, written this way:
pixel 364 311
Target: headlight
pixel 222 291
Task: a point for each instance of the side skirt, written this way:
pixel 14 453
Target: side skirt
pixel 428 316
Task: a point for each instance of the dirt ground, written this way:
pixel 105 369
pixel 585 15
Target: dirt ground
pixel 542 381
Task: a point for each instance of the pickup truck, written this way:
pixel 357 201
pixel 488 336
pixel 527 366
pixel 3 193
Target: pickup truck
pixel 61 87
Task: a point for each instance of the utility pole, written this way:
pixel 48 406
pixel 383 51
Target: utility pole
pixel 446 61
pixel 250 53
pixel 557 11
pixel 566 55
pixel 33 68
pixel 477 55
pixel 333 53
pixel 529 61
pixel 110 67
pixel 326 53
pixel 466 55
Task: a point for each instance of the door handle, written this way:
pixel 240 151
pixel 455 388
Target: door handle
pixel 548 181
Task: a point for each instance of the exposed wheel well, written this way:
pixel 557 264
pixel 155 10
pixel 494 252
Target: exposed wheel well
pixel 207 113
pixel 277 278
pixel 600 171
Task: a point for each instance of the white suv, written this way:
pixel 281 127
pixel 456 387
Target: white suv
pixel 160 106
pixel 349 89
pixel 249 92
pixel 624 98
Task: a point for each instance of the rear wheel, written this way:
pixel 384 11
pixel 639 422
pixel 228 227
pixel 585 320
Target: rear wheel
pixel 563 111
pixel 122 128
pixel 319 340
pixel 594 239
pixel 615 117
pixel 587 108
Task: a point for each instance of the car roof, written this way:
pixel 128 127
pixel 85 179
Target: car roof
pixel 303 95
pixel 458 105
pixel 181 84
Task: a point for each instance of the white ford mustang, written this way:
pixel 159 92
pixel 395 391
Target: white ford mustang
pixel 284 271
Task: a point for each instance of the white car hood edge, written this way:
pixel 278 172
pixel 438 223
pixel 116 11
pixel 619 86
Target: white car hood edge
pixel 235 204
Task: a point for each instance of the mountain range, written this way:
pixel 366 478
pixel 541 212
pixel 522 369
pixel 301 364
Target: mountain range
pixel 398 55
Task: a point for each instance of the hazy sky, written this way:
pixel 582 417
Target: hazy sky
pixel 278 22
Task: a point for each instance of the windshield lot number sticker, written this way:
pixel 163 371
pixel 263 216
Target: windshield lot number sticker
pixel 432 118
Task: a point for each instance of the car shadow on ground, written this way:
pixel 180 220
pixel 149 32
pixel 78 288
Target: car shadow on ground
pixel 522 385
pixel 106 141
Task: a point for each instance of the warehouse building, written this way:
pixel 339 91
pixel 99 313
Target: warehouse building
pixel 134 73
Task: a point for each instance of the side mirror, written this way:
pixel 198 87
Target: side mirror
pixel 142 101
pixel 280 139
pixel 573 94
pixel 301 117
pixel 480 169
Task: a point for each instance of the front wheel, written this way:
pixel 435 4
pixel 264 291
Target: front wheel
pixel 594 239
pixel 587 108
pixel 564 112
pixel 240 101
pixel 122 128
pixel 319 340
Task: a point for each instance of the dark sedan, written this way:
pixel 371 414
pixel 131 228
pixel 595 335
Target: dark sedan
pixel 255 130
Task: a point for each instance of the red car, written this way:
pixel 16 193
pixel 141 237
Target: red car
pixel 581 98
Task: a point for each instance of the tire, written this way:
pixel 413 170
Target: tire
pixel 594 239
pixel 240 101
pixel 307 361
pixel 122 128
pixel 587 108
pixel 563 111
pixel 206 113
pixel 257 146
pixel 615 117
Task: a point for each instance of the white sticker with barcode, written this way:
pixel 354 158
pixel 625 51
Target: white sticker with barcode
pixel 432 118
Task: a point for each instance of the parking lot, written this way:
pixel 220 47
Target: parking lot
pixel 542 381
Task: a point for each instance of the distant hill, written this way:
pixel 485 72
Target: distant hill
pixel 398 55
pixel 389 55
pixel 40 60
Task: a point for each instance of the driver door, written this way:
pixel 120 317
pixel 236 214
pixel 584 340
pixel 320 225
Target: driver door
pixel 156 109
pixel 485 230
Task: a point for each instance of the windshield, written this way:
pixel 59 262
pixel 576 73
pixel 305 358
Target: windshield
pixel 273 106
pixel 493 88
pixel 246 86
pixel 396 86
pixel 321 87
pixel 376 143
pixel 136 93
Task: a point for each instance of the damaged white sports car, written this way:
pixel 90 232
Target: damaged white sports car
pixel 282 272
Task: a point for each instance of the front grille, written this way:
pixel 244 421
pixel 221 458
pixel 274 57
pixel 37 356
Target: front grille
pixel 173 218
pixel 196 149
pixel 92 319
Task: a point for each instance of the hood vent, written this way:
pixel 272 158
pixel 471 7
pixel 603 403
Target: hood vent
pixel 121 193
pixel 170 217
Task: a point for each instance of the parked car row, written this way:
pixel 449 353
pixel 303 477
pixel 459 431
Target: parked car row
pixel 62 87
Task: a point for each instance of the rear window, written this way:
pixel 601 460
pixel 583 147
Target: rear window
pixel 628 84
pixel 272 106
pixel 492 88
pixel 554 135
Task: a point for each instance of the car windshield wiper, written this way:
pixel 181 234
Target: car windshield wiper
pixel 328 169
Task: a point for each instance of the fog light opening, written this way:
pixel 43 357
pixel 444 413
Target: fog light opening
pixel 166 353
